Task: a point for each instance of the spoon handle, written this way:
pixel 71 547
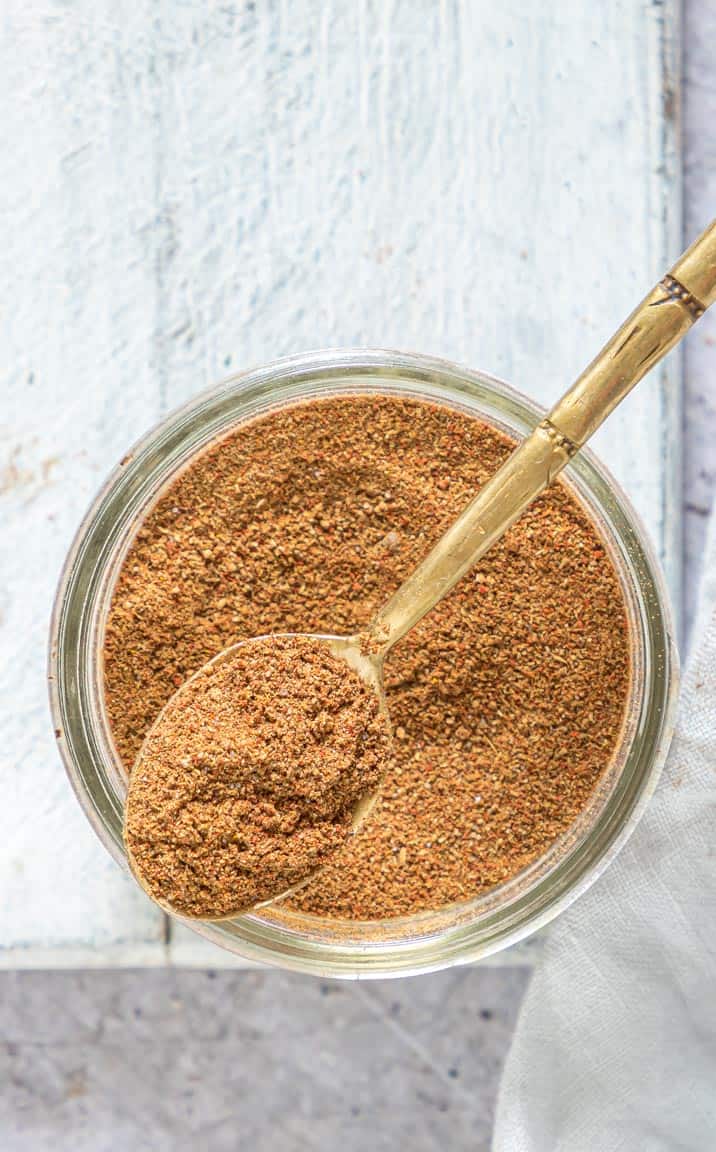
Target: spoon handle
pixel 657 324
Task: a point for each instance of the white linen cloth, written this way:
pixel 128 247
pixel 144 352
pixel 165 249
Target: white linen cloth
pixel 615 1047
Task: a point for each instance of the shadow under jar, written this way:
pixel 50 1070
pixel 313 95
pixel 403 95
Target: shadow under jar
pixel 461 931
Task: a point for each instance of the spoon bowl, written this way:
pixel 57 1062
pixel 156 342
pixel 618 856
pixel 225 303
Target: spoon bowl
pixel 349 649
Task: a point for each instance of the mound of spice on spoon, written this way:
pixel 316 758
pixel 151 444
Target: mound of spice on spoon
pixel 248 781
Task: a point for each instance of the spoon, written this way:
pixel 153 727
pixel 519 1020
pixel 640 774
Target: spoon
pixel 659 322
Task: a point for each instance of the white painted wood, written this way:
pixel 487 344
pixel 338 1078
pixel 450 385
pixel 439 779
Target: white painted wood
pixel 77 385
pixel 700 351
pixel 194 188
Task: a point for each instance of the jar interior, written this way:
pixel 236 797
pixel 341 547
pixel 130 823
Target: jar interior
pixel 427 939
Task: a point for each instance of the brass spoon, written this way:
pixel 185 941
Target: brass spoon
pixel 653 329
pixel 656 326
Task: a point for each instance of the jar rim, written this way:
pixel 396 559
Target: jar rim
pixel 450 935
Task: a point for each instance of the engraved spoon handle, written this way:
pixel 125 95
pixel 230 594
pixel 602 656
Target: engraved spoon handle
pixel 657 324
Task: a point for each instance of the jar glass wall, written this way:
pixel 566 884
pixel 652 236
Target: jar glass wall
pixel 429 940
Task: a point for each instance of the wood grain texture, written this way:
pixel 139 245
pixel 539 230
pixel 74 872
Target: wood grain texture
pixel 190 189
pixel 700 351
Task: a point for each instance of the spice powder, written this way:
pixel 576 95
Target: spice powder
pixel 248 781
pixel 507 700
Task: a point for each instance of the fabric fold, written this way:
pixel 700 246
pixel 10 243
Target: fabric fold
pixel 615 1047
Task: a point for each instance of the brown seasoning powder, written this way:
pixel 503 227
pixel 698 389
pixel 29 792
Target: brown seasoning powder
pixel 248 780
pixel 506 701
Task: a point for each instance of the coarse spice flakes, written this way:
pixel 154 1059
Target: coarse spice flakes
pixel 506 700
pixel 248 781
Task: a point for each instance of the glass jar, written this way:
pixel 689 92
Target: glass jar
pixel 429 940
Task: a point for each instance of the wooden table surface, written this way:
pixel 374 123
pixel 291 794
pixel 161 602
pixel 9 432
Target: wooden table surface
pixel 191 189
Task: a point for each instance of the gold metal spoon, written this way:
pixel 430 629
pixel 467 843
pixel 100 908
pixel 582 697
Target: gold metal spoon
pixel 653 329
pixel 656 326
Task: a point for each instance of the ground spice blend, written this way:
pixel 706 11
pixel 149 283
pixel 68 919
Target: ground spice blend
pixel 249 779
pixel 506 701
